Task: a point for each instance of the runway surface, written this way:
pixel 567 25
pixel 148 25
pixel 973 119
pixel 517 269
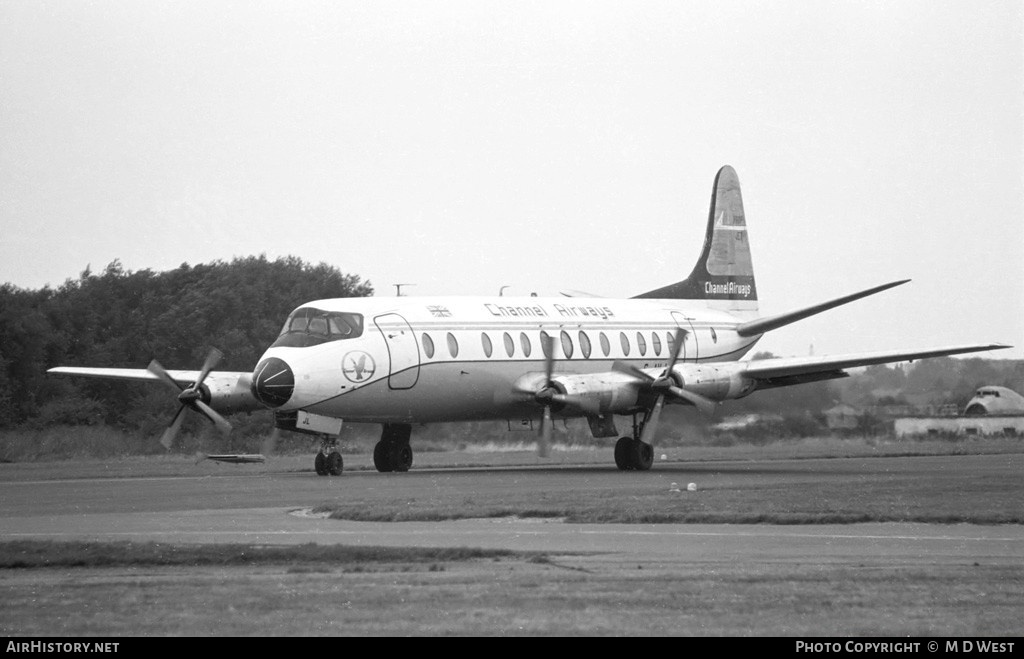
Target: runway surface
pixel 264 506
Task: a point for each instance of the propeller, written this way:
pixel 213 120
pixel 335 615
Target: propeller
pixel 270 443
pixel 664 385
pixel 548 395
pixel 190 397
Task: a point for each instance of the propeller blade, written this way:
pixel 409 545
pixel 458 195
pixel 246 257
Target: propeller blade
pixel 544 441
pixel 677 346
pixel 548 348
pixel 629 369
pixel 212 358
pixel 156 369
pixel 270 443
pixel 172 430
pixel 705 405
pixel 219 421
pixel 651 422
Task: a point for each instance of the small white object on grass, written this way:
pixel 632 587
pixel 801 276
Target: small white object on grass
pixel 674 487
pixel 664 457
pixel 692 487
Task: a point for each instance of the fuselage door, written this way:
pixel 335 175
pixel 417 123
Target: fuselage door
pixel 403 350
pixel 690 351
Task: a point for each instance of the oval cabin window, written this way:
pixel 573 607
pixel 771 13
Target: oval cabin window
pixel 428 346
pixel 566 344
pixel 585 344
pixel 453 345
pixel 486 342
pixel 525 342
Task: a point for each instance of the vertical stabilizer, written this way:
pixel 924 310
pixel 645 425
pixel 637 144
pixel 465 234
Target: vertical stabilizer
pixel 724 274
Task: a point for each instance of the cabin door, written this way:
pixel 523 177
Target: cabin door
pixel 403 350
pixel 690 351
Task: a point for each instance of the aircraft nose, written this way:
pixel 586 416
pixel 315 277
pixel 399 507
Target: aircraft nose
pixel 273 382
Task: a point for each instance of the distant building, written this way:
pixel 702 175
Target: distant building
pixel 842 417
pixel 995 400
pixel 992 411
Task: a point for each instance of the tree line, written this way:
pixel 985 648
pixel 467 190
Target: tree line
pixel 126 319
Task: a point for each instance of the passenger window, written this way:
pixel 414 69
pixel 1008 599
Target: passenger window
pixel 585 344
pixel 525 342
pixel 453 345
pixel 428 346
pixel 486 341
pixel 510 345
pixel 641 345
pixel 656 343
pixel 566 344
pixel 670 340
pixel 714 335
pixel 606 346
pixel 624 340
pixel 545 343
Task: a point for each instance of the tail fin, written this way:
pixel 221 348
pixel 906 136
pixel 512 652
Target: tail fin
pixel 724 274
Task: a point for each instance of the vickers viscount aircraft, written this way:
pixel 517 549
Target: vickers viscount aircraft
pixel 407 360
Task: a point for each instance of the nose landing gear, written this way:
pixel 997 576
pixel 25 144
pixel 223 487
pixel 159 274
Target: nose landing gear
pixel 328 461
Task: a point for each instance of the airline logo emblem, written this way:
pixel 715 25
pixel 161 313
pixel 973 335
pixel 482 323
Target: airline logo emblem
pixel 358 366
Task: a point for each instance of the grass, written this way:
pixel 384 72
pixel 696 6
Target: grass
pixel 28 554
pixel 155 590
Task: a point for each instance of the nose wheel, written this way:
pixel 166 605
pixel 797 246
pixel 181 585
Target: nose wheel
pixel 328 461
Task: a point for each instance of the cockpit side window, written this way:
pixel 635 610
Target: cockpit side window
pixel 308 326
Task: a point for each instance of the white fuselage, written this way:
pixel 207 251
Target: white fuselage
pixel 423 359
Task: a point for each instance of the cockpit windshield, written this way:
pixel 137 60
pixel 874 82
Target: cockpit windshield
pixel 308 327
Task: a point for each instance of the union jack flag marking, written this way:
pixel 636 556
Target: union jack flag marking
pixel 439 311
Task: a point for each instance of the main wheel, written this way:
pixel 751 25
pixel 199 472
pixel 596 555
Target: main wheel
pixel 641 455
pixel 320 464
pixel 382 457
pixel 622 448
pixel 401 457
pixel 335 464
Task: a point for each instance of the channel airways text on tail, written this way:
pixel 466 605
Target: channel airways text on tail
pixel 408 360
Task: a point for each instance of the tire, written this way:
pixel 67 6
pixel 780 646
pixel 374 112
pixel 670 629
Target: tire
pixel 622 451
pixel 335 464
pixel 382 457
pixel 401 457
pixel 642 455
pixel 320 464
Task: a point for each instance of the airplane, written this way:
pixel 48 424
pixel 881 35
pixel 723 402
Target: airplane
pixel 411 360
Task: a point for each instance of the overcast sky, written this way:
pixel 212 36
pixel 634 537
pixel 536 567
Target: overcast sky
pixel 544 146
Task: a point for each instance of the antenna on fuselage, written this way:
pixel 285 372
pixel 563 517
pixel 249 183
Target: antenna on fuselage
pixel 398 288
pixel 501 291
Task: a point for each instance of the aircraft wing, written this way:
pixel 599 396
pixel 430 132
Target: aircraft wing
pixel 781 371
pixel 140 374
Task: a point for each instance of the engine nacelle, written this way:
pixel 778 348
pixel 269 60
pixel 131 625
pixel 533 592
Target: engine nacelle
pixel 228 394
pixel 614 392
pixel 715 381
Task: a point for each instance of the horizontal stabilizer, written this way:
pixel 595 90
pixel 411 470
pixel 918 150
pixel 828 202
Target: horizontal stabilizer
pixel 780 367
pixel 768 323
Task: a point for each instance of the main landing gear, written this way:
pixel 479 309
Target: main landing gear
pixel 392 452
pixel 633 454
pixel 328 460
